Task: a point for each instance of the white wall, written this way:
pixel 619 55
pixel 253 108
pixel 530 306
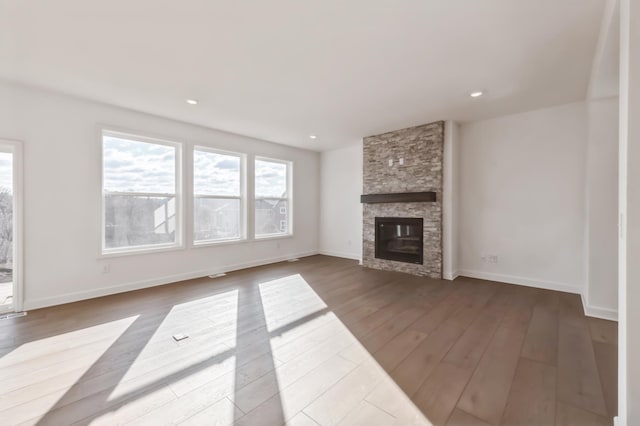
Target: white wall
pixel 341 210
pixel 522 198
pixel 62 199
pixel 601 295
pixel 451 201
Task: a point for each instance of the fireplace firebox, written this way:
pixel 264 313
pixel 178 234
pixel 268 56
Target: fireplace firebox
pixel 399 239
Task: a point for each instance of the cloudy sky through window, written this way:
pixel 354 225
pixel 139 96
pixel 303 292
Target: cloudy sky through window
pixel 6 171
pixel 271 179
pixel 216 174
pixel 134 166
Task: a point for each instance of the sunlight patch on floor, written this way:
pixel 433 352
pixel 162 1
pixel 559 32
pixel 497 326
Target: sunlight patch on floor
pixel 303 301
pixel 104 335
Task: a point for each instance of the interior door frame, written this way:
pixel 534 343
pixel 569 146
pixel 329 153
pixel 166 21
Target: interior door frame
pixel 15 148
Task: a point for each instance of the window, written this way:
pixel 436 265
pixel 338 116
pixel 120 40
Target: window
pixel 273 196
pixel 140 181
pixel 217 196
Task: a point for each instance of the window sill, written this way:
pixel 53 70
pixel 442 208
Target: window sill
pixel 145 250
pixel 273 237
pixel 219 243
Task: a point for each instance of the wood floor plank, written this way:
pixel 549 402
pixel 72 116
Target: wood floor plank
pixel 578 378
pixel 607 361
pixel 532 398
pixel 388 397
pixel 368 414
pixel 486 394
pixel 335 404
pixel 439 394
pixel 468 350
pixel 391 354
pixel 603 331
pixel 569 415
pixel 420 363
pixel 462 418
pixel 292 399
pixel 541 342
pixel 222 413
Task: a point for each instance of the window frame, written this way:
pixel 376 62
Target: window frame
pixel 15 148
pixel 242 197
pixel 178 195
pixel 288 199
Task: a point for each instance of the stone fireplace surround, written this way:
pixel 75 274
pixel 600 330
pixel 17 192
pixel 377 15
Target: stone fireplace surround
pixel 421 149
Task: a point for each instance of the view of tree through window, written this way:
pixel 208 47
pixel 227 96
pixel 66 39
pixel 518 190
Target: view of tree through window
pixel 272 197
pixel 217 196
pixel 139 190
pixel 6 227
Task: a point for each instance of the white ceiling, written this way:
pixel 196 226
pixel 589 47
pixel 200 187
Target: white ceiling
pixel 281 70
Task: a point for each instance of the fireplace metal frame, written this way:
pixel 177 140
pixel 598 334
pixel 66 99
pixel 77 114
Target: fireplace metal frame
pixel 399 257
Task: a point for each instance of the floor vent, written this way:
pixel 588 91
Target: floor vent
pixel 13 315
pixel 293 260
pixel 178 337
pixel 221 274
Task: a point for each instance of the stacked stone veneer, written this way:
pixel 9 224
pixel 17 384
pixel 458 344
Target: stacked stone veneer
pixel 422 149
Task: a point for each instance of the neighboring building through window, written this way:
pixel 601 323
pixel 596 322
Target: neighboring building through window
pixel 217 196
pixel 272 197
pixel 140 181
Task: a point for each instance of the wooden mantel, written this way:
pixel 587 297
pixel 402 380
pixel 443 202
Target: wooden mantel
pixel 399 197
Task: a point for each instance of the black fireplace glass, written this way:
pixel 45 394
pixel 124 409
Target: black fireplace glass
pixel 399 238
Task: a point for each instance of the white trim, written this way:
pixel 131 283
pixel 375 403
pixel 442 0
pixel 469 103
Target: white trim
pixel 344 255
pixel 529 282
pixel 597 311
pixel 178 196
pixel 146 249
pixel 602 313
pixel 242 197
pixel 288 199
pixel 153 282
pixel 450 275
pixel 623 187
pixel 16 149
pixel 447 201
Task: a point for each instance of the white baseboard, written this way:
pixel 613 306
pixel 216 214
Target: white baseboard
pixel 352 256
pixel 529 282
pixel 450 275
pixel 599 312
pixel 153 282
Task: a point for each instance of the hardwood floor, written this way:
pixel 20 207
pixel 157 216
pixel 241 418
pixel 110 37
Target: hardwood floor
pixel 318 341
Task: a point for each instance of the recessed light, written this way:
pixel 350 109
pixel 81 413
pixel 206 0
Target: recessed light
pixel 192 102
pixel 312 136
pixel 476 94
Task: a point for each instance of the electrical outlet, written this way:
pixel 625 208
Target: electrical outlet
pixel 493 258
pixel 401 162
pixel 106 268
pixel 483 258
